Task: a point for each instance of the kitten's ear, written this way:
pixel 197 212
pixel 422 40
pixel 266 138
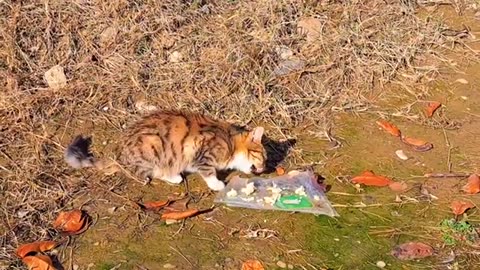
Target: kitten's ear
pixel 256 134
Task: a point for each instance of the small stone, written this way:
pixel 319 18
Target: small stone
pixel 55 77
pixel 111 210
pixel 76 267
pixel 96 243
pixel 22 213
pixel 462 81
pixel 104 143
pixel 169 266
pixel 464 97
pixel 105 109
pixel 381 264
pixel 290 266
pixel 175 57
pixel 477 15
pixel 336 239
pixel 401 155
pixel 171 221
pixel 281 264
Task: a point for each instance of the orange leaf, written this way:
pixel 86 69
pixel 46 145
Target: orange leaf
pixel 459 207
pixel 416 144
pixel 71 222
pixel 40 246
pixel 473 185
pixel 432 107
pixel 368 178
pixel 412 250
pixel 389 127
pixel 155 205
pixel 280 170
pixel 180 215
pixel 252 265
pixel 38 262
pixel 398 186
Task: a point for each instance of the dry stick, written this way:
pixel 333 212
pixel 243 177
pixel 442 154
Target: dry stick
pixel 449 155
pixel 183 256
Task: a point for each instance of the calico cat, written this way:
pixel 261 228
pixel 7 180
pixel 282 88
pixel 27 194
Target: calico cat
pixel 166 144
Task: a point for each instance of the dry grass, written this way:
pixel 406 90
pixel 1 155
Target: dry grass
pixel 116 53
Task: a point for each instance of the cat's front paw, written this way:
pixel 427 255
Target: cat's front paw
pixel 216 186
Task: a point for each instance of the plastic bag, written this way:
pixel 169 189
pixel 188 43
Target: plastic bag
pixel 297 191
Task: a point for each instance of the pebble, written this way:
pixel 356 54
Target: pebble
pixel 105 109
pixel 175 57
pixel 281 264
pixel 381 264
pixel 462 81
pixel 169 266
pixel 290 266
pixel 75 267
pixel 401 155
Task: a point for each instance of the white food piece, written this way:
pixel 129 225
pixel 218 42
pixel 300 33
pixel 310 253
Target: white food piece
pixel 381 264
pixel 272 199
pixel 249 189
pixel 401 155
pixel 275 189
pixel 300 191
pixel 232 193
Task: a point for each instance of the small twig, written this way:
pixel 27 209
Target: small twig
pixel 181 254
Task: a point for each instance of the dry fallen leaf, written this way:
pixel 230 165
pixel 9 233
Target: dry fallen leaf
pixel 416 144
pixel 155 205
pixel 40 246
pixel 412 250
pixel 180 215
pixel 432 107
pixel 473 185
pixel 311 27
pixel 38 262
pixel 71 222
pixel 398 186
pixel 389 127
pixel 55 77
pixel 368 178
pixel 252 265
pixel 280 170
pixel 459 207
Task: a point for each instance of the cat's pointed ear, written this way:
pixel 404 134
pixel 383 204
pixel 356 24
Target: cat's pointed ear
pixel 256 134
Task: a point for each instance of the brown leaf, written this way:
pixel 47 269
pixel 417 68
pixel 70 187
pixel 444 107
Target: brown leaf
pixel 412 250
pixel 252 265
pixel 368 178
pixel 280 170
pixel 473 185
pixel 459 207
pixel 398 186
pixel 432 107
pixel 389 127
pixel 71 222
pixel 38 262
pixel 155 205
pixel 39 246
pixel 416 144
pixel 180 215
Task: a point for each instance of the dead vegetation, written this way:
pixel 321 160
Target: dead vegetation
pixel 242 61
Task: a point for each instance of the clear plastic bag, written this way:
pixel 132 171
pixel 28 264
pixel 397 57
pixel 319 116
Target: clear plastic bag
pixel 297 191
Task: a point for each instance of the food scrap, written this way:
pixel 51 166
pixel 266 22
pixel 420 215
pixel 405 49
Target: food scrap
pixel 460 207
pixel 389 127
pixel 72 222
pixel 416 144
pixel 473 185
pixel 432 107
pixel 368 178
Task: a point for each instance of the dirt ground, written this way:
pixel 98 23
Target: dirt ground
pixel 343 143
